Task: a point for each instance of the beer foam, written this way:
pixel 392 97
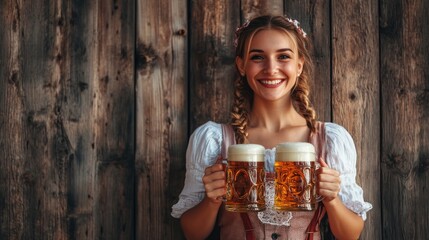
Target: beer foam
pixel 295 152
pixel 246 153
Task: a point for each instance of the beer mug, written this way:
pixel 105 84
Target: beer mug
pixel 245 178
pixel 295 177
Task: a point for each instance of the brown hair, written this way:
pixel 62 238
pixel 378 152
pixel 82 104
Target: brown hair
pixel 243 95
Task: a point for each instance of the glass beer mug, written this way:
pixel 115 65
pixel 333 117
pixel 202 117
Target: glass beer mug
pixel 245 178
pixel 295 177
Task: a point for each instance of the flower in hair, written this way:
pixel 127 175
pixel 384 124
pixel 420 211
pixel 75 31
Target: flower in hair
pixel 296 24
pixel 246 23
pixel 238 31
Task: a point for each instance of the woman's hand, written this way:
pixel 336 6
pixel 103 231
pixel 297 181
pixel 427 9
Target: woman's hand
pixel 214 182
pixel 328 182
pixel 198 221
pixel 343 223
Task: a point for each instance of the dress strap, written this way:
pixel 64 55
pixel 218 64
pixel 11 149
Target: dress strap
pixel 318 139
pixel 247 226
pixel 228 139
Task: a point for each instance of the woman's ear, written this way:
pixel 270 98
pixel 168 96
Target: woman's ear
pixel 240 65
pixel 300 65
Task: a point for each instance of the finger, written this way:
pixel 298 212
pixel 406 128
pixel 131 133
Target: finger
pixel 327 195
pixel 328 189
pixel 215 185
pixel 329 179
pixel 213 176
pixel 323 163
pixel 328 175
pixel 216 189
pixel 328 171
pixel 217 167
pixel 214 168
pixel 216 194
pixel 324 168
pixel 329 186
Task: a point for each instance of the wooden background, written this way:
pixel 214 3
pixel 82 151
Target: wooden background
pixel 98 99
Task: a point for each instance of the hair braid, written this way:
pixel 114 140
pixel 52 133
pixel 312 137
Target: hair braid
pixel 302 103
pixel 240 109
pixel 300 95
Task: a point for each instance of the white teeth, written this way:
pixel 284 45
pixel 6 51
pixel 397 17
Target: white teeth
pixel 271 82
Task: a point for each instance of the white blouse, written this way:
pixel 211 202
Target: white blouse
pixel 205 146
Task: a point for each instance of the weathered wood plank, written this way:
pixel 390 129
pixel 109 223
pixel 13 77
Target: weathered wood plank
pixel 79 120
pixel 114 126
pixel 252 8
pixel 162 120
pixel 404 37
pixel 38 183
pixel 54 181
pixel 212 60
pixel 355 94
pixel 12 188
pixel 314 18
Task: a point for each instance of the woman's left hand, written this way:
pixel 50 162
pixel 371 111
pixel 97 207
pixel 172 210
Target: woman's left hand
pixel 329 181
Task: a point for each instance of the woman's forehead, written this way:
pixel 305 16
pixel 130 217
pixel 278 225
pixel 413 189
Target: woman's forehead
pixel 272 39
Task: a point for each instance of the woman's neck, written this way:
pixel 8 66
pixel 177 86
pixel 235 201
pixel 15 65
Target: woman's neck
pixel 275 115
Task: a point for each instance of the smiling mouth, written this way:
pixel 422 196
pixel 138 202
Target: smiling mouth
pixel 271 82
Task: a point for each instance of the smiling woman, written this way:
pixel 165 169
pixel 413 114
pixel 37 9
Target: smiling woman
pixel 272 106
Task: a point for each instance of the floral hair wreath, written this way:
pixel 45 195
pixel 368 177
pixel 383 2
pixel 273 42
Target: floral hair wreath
pixel 246 23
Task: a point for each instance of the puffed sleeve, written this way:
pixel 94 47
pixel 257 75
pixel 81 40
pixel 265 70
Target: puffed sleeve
pixel 341 156
pixel 203 149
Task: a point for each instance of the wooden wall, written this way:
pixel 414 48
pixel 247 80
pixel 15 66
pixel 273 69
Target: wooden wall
pixel 404 79
pixel 98 99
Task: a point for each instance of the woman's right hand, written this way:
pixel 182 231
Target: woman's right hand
pixel 214 183
pixel 198 222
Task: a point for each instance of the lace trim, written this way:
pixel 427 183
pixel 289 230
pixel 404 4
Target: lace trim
pixel 184 204
pixel 360 208
pixel 270 215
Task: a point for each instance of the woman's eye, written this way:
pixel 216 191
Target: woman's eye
pixel 283 57
pixel 256 57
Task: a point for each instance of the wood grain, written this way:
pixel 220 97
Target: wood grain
pixel 12 187
pixel 162 133
pixel 114 121
pixel 355 94
pixel 314 19
pixel 212 60
pixel 404 48
pixel 65 125
pixel 80 92
pixel 37 149
pixel 253 8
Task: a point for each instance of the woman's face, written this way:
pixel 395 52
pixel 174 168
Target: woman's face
pixel 271 65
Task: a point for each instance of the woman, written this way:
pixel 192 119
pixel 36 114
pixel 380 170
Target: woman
pixel 271 106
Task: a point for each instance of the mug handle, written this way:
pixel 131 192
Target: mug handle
pixel 319 198
pixel 224 163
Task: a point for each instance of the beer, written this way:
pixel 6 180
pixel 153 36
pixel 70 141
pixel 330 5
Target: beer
pixel 245 186
pixel 295 177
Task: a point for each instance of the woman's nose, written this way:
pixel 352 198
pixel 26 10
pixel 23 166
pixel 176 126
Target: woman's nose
pixel 271 67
